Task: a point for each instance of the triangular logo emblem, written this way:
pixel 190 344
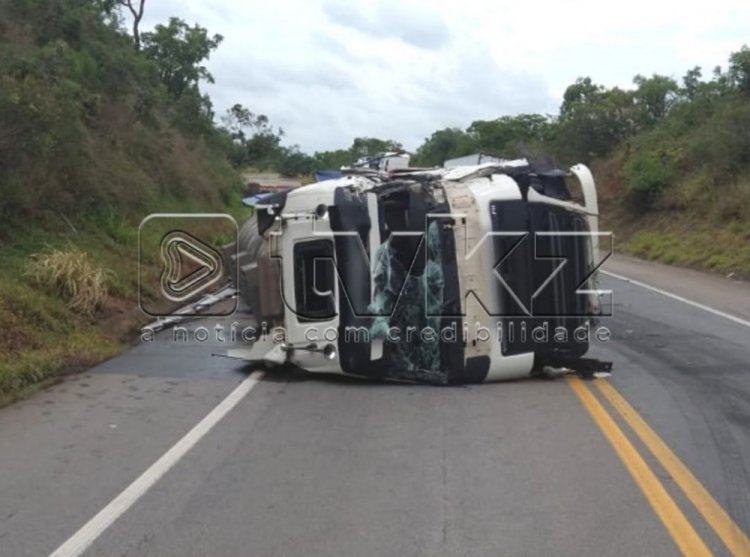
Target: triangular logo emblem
pixel 190 266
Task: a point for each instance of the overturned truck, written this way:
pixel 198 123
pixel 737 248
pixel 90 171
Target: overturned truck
pixel 440 276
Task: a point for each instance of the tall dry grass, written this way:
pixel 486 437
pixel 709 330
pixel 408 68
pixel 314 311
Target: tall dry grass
pixel 70 274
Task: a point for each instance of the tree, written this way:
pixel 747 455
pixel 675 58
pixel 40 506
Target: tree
pixel 136 9
pixel 443 145
pixel 739 70
pixel 655 96
pixel 332 160
pixel 193 112
pixel 369 146
pixel 179 51
pixel 237 121
pixel 293 162
pixel 263 146
pixel 508 134
pixel 698 99
pixel 582 92
pixel 260 142
pixel 691 82
pixel 593 120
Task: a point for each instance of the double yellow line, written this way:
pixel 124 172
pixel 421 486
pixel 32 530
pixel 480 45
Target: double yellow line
pixel 682 532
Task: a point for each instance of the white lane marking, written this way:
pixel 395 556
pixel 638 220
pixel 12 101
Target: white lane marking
pixel 87 535
pixel 698 305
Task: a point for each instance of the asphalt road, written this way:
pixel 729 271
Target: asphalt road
pixel 168 451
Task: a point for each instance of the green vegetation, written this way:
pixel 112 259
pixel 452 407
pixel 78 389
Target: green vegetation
pixel 694 247
pixel 97 130
pixel 672 159
pixel 43 330
pixel 257 144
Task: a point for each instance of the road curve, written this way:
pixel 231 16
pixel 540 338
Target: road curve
pixel 653 461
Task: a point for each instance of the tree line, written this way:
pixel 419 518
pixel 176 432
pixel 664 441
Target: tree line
pixel 90 54
pixel 98 116
pixel 659 130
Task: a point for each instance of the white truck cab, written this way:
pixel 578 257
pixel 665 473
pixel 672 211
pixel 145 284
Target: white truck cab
pixel 453 275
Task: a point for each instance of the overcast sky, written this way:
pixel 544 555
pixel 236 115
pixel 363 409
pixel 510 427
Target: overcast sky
pixel 328 71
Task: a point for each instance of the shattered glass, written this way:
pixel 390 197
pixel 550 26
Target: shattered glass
pixel 413 302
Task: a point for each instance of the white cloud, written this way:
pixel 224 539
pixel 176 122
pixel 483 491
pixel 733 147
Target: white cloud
pixel 333 70
pixel 417 26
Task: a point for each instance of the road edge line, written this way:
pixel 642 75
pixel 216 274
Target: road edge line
pixel 79 542
pixel 679 298
pixel 684 535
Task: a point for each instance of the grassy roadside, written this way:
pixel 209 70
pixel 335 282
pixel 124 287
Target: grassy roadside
pixel 698 247
pixel 42 338
pixel 694 224
pixel 93 138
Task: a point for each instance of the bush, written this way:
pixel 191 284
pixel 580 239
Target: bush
pixel 722 144
pixel 648 174
pixel 70 274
